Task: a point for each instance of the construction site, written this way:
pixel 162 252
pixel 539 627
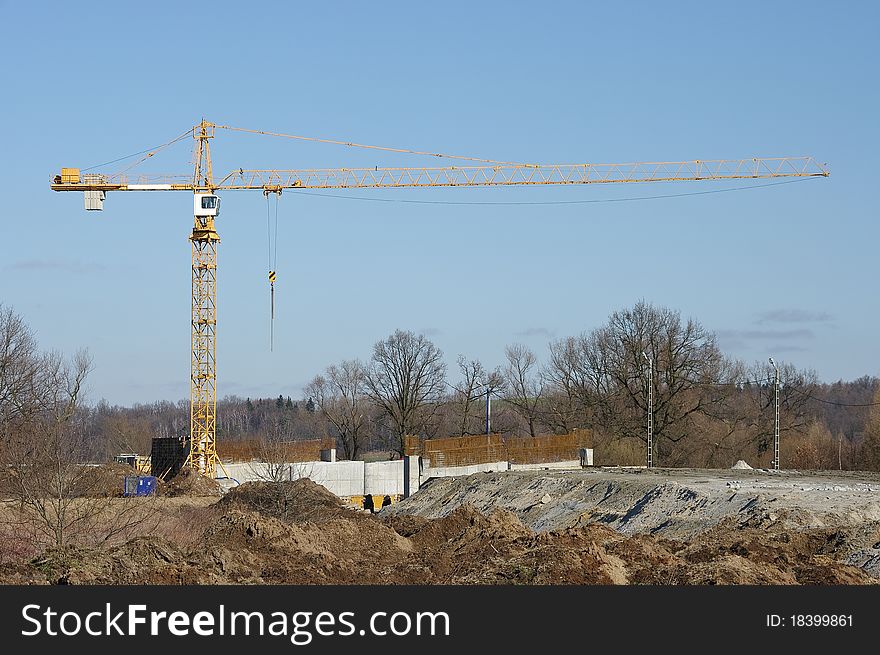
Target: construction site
pixel 647 449
pixel 472 510
pixel 585 473
pixel 405 328
pixel 513 506
pixel 601 526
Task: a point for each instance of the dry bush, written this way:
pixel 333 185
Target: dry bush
pixel 816 449
pixel 618 451
pixel 16 544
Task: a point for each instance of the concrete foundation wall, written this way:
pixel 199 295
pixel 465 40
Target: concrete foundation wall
pixel 452 471
pixel 412 471
pixel 341 478
pixel 586 456
pixel 248 471
pixel 384 478
pixel 572 464
pixel 398 477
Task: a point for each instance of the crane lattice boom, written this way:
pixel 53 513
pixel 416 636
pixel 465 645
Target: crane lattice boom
pixel 463 176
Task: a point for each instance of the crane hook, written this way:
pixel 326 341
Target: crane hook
pixel 273 259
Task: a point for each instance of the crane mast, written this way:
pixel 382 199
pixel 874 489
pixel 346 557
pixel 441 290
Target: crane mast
pixel 203 368
pixel 206 207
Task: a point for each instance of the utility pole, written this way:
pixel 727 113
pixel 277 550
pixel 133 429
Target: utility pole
pixel 776 419
pixel 650 458
pixel 488 410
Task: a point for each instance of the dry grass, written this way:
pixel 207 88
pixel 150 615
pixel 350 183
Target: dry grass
pixel 121 519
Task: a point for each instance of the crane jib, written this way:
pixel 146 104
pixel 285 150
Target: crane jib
pixel 473 176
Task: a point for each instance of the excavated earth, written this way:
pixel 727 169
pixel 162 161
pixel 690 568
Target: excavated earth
pixel 579 527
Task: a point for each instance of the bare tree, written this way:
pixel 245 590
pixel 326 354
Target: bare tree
pixel 523 384
pixel 23 389
pixel 464 396
pixel 341 396
pixel 869 453
pixel 405 379
pixel 756 401
pixel 613 373
pixel 45 448
pixel 475 385
pixel 60 495
pixel 272 456
pixel 568 397
pixel 126 434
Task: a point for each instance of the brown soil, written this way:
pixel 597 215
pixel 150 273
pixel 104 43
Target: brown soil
pixel 189 483
pixel 299 533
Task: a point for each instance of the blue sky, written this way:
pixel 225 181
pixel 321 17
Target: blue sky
pixel 787 271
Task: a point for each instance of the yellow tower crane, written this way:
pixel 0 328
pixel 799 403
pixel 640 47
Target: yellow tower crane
pixel 480 173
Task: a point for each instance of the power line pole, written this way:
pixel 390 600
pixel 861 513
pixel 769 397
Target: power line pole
pixel 488 410
pixel 650 457
pixel 776 419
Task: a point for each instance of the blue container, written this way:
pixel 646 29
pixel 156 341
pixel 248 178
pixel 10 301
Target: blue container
pixel 139 485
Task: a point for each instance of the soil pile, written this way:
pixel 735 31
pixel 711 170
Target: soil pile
pixel 298 533
pixel 190 483
pixel 297 501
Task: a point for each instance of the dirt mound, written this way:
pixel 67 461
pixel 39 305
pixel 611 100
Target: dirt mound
pixel 151 559
pixel 467 547
pixel 296 501
pixel 190 483
pixel 741 465
pixel 631 532
pixel 103 481
pixel 242 545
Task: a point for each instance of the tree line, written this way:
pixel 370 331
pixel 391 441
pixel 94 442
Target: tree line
pixel 709 410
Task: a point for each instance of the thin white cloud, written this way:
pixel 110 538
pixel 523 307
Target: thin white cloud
pixel 59 265
pixel 793 316
pixel 787 348
pixel 764 335
pixel 535 332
